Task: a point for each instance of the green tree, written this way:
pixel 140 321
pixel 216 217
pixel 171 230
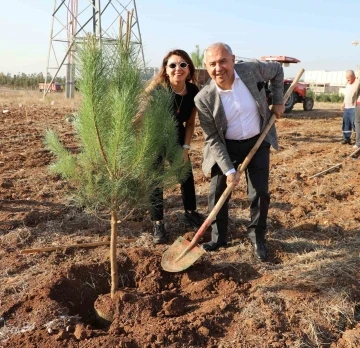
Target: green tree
pixel 197 57
pixel 114 170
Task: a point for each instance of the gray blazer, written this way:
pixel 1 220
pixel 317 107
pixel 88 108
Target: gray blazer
pixel 212 115
pixel 356 94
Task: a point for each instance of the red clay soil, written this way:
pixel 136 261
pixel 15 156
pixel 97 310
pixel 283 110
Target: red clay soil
pixel 306 295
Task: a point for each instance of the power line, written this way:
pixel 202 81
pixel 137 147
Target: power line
pixel 73 20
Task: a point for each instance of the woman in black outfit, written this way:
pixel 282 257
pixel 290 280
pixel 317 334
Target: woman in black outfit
pixel 176 72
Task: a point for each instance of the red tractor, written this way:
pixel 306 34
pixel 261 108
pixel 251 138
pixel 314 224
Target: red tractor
pixel 299 93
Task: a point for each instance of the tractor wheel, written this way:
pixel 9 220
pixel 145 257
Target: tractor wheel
pixel 290 103
pixel 308 103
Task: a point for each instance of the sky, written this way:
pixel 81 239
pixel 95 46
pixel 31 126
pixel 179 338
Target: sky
pixel 317 32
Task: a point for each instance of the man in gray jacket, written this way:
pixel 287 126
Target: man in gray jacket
pixel 233 111
pixel 356 102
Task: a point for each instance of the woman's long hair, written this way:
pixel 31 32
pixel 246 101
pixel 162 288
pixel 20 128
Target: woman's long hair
pixel 162 79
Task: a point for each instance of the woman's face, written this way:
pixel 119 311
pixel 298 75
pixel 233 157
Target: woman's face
pixel 177 69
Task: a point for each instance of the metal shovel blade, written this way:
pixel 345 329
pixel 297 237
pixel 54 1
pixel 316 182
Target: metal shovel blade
pixel 176 258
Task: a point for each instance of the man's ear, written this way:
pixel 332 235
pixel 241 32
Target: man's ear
pixel 233 58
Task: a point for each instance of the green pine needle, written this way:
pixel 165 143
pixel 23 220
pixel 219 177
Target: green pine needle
pixel 115 166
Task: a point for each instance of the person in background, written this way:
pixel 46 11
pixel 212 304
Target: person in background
pixel 176 72
pixel 348 108
pixel 356 100
pixel 233 111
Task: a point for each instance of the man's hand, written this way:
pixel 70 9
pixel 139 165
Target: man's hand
pixel 278 110
pixel 342 107
pixel 233 179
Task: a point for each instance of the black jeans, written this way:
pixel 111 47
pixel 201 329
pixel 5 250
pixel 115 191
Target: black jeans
pixel 257 178
pixel 187 193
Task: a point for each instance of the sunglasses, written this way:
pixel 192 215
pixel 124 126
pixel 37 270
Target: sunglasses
pixel 182 65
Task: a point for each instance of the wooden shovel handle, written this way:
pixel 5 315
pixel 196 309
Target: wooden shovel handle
pixel 242 168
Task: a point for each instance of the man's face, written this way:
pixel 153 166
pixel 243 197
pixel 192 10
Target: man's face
pixel 350 78
pixel 219 64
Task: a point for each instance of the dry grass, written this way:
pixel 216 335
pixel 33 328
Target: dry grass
pixel 313 285
pixel 314 271
pixel 321 105
pixel 321 282
pixel 31 98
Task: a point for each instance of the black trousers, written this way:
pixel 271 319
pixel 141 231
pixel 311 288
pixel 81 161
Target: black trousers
pixel 187 193
pixel 257 178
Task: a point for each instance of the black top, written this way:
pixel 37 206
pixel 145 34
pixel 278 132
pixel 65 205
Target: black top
pixel 182 108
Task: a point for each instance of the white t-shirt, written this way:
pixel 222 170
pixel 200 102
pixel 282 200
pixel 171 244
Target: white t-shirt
pixel 348 94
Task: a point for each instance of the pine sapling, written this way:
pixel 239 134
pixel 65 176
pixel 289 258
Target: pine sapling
pixel 113 170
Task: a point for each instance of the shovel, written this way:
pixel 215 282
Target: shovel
pixel 182 253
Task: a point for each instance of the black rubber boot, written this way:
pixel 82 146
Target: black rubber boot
pixel 194 218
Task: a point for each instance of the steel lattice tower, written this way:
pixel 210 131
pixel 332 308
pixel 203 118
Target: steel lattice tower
pixel 73 20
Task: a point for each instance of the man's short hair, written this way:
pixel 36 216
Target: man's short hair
pixel 217 44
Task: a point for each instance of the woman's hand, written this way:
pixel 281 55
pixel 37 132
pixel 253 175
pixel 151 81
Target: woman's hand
pixel 185 155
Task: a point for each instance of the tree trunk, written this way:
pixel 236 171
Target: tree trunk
pixel 113 259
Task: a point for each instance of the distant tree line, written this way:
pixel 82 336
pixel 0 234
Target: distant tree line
pixel 26 81
pixel 325 97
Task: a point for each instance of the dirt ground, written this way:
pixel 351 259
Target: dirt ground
pixel 306 295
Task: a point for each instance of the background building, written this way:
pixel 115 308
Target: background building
pixel 325 81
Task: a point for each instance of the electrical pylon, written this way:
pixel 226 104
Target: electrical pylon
pixel 73 20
